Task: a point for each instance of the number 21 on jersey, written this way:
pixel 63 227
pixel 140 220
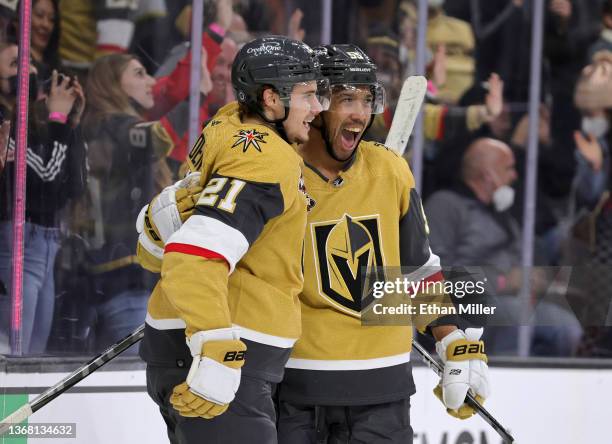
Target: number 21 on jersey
pixel 210 195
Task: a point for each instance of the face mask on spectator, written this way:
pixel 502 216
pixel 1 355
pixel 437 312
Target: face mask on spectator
pixel 503 198
pixel 13 82
pixel 595 126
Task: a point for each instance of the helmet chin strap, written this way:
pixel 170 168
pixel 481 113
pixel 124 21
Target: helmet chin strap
pixel 329 145
pixel 278 123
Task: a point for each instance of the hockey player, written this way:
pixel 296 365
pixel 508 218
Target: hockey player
pixel 345 380
pixel 231 274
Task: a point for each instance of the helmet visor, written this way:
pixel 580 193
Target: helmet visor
pixel 313 95
pixel 365 99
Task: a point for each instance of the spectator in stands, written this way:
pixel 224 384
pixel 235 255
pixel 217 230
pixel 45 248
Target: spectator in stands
pixel 604 43
pixel 407 24
pixel 8 14
pixel 91 29
pixel 457 39
pixel 222 92
pixel 55 173
pixel 45 37
pixel 571 26
pixel 123 151
pixel 555 168
pixel 471 225
pixel 442 122
pixel 594 183
pixel 501 31
pixel 172 90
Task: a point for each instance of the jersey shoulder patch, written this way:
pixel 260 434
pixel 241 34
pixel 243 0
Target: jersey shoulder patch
pixel 249 138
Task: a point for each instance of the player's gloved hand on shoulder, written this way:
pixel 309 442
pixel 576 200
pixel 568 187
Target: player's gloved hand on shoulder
pixel 163 216
pixel 214 376
pixel 465 368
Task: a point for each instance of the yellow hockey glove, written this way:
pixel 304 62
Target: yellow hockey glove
pixel 162 217
pixel 214 376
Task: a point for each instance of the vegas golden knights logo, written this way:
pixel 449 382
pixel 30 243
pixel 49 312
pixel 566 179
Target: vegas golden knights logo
pixel 346 250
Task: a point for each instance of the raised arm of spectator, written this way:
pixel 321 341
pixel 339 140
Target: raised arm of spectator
pixel 295 30
pixel 174 88
pixel 446 122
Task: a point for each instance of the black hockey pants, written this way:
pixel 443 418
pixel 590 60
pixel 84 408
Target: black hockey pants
pixel 372 424
pixel 250 418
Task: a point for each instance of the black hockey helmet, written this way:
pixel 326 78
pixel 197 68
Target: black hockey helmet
pixel 348 65
pixel 275 61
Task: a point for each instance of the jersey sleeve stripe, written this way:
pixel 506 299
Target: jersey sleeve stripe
pixel 193 250
pixel 213 235
pixel 165 324
pixel 429 271
pixel 264 338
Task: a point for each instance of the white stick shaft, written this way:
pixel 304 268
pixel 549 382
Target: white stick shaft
pixel 408 107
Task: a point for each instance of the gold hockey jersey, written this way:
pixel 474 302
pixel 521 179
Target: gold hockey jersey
pixel 370 216
pixel 237 259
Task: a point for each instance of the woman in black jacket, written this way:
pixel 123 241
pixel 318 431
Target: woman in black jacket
pixel 55 173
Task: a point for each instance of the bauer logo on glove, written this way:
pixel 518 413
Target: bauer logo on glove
pixel 465 349
pixel 234 356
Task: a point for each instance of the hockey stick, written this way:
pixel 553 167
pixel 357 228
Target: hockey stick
pixel 408 107
pixel 78 375
pixel 406 112
pixel 437 368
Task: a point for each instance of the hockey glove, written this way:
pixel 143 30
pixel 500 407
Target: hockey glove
pixel 465 368
pixel 165 215
pixel 214 376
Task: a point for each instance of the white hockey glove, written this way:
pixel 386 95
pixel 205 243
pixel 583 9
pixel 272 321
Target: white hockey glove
pixel 214 376
pixel 465 368
pixel 162 217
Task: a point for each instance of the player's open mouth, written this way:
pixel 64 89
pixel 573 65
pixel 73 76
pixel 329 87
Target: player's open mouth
pixel 349 137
